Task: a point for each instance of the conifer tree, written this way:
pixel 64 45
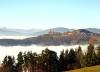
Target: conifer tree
pixel 62 60
pixel 20 61
pixel 80 57
pixel 91 58
pixel 72 59
pixel 8 64
pixel 51 61
pixel 98 55
pixel 66 60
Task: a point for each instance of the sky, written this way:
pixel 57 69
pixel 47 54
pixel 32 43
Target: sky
pixel 44 14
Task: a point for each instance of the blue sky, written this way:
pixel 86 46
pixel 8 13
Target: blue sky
pixel 43 14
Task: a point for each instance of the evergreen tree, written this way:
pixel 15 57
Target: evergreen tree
pixel 66 61
pixel 31 61
pixel 5 60
pixel 20 61
pixel 66 56
pixel 8 64
pixel 62 60
pixel 25 62
pixel 98 55
pixel 20 58
pixel 72 59
pixel 80 57
pixel 51 61
pixel 91 58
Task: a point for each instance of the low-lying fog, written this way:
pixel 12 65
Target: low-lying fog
pixel 14 50
pixel 14 37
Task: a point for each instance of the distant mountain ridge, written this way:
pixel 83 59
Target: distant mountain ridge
pixel 14 32
pixel 38 32
pixel 94 30
pixel 80 36
pixel 58 29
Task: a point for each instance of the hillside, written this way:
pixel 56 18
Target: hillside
pixel 58 29
pixel 80 36
pixel 87 69
pixel 34 32
pixel 38 32
pixel 95 30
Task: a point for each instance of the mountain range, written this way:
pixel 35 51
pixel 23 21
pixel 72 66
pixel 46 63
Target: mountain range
pixel 14 32
pixel 38 32
pixel 64 37
pixel 94 30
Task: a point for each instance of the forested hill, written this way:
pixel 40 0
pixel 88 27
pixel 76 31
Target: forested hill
pixel 38 32
pixel 80 36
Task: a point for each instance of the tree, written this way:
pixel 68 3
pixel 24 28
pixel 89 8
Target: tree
pixel 91 58
pixel 25 62
pixel 98 55
pixel 20 58
pixel 66 57
pixel 62 60
pixel 5 60
pixel 51 61
pixel 20 61
pixel 8 64
pixel 31 61
pixel 71 59
pixel 80 57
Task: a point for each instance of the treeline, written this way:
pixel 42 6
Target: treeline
pixel 48 61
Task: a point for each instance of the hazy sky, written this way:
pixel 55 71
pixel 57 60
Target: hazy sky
pixel 45 14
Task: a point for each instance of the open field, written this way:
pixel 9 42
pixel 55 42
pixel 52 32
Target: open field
pixel 87 69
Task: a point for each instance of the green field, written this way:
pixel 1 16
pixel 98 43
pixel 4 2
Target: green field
pixel 87 69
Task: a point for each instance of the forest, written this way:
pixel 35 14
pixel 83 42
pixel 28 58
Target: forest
pixel 48 61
